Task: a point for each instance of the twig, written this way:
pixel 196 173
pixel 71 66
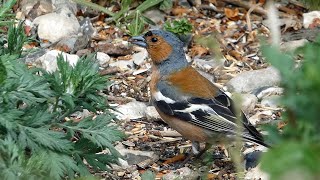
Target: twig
pixel 258 10
pixel 248 16
pixel 111 70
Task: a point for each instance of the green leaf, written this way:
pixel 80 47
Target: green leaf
pixel 166 5
pixel 290 157
pixel 3 72
pixel 147 4
pixel 148 175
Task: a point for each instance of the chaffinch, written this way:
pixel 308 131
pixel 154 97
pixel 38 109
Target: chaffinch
pixel 187 101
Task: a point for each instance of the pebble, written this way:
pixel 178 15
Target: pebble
pixel 139 58
pixel 152 114
pixel 256 173
pixel 102 58
pixel 271 101
pixel 131 110
pixel 32 10
pixel 182 173
pixel 134 157
pixel 123 65
pixel 248 102
pixel 249 81
pixel 49 60
pixel 55 26
pixel 268 91
pixel 206 64
pixel 293 45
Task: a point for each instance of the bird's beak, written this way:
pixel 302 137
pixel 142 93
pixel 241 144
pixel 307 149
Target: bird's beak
pixel 139 40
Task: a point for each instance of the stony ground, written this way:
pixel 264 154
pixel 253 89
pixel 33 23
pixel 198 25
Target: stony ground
pixel 230 57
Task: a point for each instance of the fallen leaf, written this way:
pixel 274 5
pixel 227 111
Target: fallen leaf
pixel 178 11
pixel 179 157
pixel 232 14
pixel 198 50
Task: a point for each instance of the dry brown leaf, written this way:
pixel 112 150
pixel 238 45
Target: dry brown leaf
pixel 281 125
pixel 179 157
pixel 232 14
pixel 178 11
pixel 211 176
pixel 198 50
pixel 235 54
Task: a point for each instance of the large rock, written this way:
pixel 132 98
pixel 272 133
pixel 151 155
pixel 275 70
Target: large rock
pixel 251 80
pixel 131 110
pixel 57 25
pixel 49 60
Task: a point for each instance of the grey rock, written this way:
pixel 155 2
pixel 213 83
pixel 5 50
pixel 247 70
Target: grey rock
pixel 252 159
pixel 72 43
pixel 182 173
pixel 135 157
pixel 131 110
pixel 207 64
pixel 152 114
pixel 248 102
pixel 293 45
pixel 139 58
pixel 31 57
pixel 271 101
pixel 55 26
pixel 123 65
pixel 251 80
pixel 34 8
pixel 87 27
pixel 268 91
pixel 103 58
pixel 49 60
pixel 208 76
pixel 69 4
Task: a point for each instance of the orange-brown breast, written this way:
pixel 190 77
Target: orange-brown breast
pixel 189 81
pixel 155 77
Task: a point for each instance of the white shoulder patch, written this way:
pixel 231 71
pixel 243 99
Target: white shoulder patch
pixel 160 97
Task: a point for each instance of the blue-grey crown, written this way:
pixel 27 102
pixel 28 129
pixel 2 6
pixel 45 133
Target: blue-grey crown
pixel 171 38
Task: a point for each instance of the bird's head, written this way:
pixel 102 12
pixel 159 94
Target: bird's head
pixel 161 45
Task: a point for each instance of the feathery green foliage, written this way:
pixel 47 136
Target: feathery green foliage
pixel 180 27
pixel 296 153
pixel 37 139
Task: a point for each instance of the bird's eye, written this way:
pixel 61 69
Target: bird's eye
pixel 154 39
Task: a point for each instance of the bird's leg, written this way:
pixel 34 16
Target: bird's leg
pixel 196 152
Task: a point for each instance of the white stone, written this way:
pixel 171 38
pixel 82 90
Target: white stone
pixel 123 64
pixel 152 114
pixel 55 26
pixel 49 60
pixel 139 58
pixel 131 110
pixel 253 80
pixel 102 58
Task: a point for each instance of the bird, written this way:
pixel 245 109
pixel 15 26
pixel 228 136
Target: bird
pixel 187 101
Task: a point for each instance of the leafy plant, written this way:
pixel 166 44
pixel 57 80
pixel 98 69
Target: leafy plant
pixel 296 153
pixel 180 27
pixel 133 20
pixel 5 14
pixel 38 139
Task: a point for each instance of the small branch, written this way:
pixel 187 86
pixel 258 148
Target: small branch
pixel 246 5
